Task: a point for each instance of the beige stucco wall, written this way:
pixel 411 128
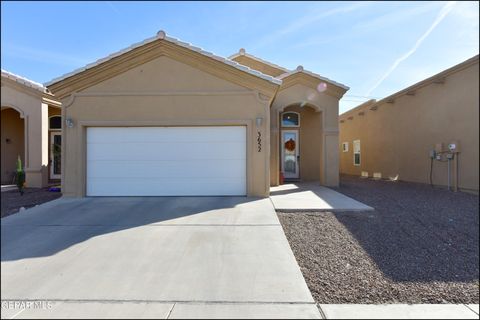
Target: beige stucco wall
pixel 12 129
pixel 326 114
pixel 35 114
pixel 396 138
pixel 164 92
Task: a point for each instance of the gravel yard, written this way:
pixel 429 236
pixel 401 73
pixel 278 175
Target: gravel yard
pixel 420 245
pixel 12 201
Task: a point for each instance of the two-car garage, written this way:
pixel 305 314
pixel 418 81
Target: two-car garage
pixel 165 118
pixel 166 161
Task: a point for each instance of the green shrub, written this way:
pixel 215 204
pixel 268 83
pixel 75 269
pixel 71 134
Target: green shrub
pixel 20 176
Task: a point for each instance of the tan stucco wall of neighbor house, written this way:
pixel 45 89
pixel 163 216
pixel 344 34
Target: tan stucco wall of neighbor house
pixel 165 91
pixel 34 112
pixel 12 144
pixel 397 133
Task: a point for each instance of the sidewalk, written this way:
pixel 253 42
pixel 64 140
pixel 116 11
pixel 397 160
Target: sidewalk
pixel 399 311
pixel 199 310
pixel 311 196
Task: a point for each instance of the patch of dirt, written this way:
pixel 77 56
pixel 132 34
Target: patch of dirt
pixel 12 201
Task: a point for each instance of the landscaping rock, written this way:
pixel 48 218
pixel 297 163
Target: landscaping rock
pixel 13 202
pixel 420 245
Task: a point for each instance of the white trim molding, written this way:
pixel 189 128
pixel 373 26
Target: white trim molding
pixel 162 36
pixel 242 52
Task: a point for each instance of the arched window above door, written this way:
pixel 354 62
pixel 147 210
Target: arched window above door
pixel 290 119
pixel 55 123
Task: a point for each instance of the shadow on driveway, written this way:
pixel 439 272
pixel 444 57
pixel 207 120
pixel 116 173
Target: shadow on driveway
pixel 55 226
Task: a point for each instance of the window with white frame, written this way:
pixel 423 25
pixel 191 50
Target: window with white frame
pixel 356 152
pixel 345 147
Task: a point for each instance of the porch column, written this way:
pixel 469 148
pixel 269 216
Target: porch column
pixel 36 147
pixel 330 175
pixel 274 152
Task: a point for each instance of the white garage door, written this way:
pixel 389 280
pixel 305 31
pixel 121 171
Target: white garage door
pixel 166 161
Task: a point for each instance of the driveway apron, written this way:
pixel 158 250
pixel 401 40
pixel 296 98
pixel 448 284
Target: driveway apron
pixel 175 256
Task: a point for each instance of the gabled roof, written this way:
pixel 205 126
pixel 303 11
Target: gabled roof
pixel 287 72
pixel 161 35
pixel 24 81
pixel 300 69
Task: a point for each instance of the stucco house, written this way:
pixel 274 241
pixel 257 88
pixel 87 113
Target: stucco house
pixel 410 134
pixel 30 128
pixel 164 117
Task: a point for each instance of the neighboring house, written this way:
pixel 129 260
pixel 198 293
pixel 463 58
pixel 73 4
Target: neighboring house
pixel 393 137
pixel 30 128
pixel 163 117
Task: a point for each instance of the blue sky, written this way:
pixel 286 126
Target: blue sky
pixel 376 48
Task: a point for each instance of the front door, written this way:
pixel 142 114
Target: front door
pixel 55 155
pixel 290 156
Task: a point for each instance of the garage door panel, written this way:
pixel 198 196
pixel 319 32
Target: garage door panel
pixel 168 134
pixel 166 151
pixel 166 187
pixel 167 169
pixel 166 161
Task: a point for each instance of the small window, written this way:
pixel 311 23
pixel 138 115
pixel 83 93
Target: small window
pixel 345 147
pixel 356 152
pixel 290 119
pixel 55 122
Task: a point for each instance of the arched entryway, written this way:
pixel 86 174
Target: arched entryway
pixel 12 142
pixel 301 142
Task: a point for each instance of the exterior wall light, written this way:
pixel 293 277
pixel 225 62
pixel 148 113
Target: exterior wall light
pixel 259 122
pixel 69 122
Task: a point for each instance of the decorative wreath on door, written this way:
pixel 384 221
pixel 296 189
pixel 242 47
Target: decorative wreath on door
pixel 290 145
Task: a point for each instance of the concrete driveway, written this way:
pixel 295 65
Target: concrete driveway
pixel 176 257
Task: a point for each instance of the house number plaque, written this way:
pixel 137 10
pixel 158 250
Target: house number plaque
pixel 259 141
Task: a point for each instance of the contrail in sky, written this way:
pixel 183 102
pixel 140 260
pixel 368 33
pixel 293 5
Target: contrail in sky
pixel 443 13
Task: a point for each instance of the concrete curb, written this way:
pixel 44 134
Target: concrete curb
pixel 399 311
